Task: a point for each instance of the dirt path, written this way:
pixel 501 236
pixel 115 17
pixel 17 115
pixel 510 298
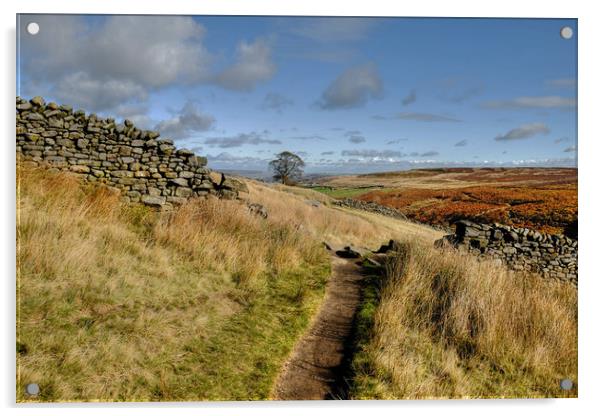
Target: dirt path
pixel 315 369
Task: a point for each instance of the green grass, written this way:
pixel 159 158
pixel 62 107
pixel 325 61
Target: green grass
pixel 242 359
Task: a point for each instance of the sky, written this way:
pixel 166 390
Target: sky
pixel 346 94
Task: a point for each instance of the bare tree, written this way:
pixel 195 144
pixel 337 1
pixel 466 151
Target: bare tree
pixel 287 167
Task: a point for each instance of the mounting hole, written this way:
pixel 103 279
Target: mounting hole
pixel 33 28
pixel 566 384
pixel 566 32
pixel 32 389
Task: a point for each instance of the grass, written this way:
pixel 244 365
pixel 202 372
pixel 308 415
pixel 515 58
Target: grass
pixel 445 325
pixel 118 302
pixel 340 193
pixel 339 226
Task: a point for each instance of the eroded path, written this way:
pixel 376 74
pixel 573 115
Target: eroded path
pixel 315 369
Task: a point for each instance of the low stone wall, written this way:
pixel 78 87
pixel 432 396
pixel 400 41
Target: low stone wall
pixel 143 167
pixel 552 256
pixel 370 207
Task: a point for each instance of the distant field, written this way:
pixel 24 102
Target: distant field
pixel 540 198
pixel 346 192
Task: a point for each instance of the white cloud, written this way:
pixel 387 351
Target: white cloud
pixel 117 59
pixel 523 132
pixel 239 140
pixel 332 29
pixel 551 101
pixel 276 102
pixel 352 88
pixel 186 123
pixel 373 154
pixel 424 117
pixel 82 90
pixel 429 153
pixel 122 59
pixel 253 64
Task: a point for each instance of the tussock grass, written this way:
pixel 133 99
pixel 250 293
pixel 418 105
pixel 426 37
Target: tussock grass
pixel 119 302
pixel 446 325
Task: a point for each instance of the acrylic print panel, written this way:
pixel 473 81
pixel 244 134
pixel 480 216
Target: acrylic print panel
pixel 292 208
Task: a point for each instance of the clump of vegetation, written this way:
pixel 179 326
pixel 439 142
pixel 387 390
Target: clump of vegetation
pixel 446 325
pixel 119 302
pixel 549 209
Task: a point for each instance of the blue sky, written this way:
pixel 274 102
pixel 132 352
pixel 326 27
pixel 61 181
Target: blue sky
pixel 347 94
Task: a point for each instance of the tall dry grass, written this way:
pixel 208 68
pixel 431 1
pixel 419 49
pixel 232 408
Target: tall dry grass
pixel 119 302
pixel 450 326
pixel 289 205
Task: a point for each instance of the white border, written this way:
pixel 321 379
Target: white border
pixel 590 202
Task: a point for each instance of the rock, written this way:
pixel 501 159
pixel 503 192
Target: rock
pixel 24 106
pixel 35 117
pixel 80 169
pixel 234 184
pixel 258 209
pixel 37 101
pixel 217 178
pixel 186 174
pixel 179 182
pixel 348 253
pixel 184 152
pixel 183 192
pixel 153 201
pixel 314 203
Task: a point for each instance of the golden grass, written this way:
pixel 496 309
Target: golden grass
pixel 118 302
pixel 450 326
pixel 340 226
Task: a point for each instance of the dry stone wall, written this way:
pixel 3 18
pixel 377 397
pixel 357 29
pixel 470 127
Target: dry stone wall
pixel 142 166
pixel 553 256
pixel 370 207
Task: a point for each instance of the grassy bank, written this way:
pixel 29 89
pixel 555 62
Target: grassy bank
pixel 444 325
pixel 119 302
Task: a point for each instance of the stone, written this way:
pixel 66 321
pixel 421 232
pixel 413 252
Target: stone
pixel 166 148
pixel 153 201
pixel 137 143
pixel 35 117
pixel 348 252
pixel 179 182
pixel 186 174
pixel 37 101
pixel 80 169
pixel 82 143
pixel 258 209
pixel 24 106
pixel 184 152
pixel 183 192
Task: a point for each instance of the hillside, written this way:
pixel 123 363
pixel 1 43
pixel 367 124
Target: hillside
pixel 122 302
pixel 206 302
pixel 541 198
